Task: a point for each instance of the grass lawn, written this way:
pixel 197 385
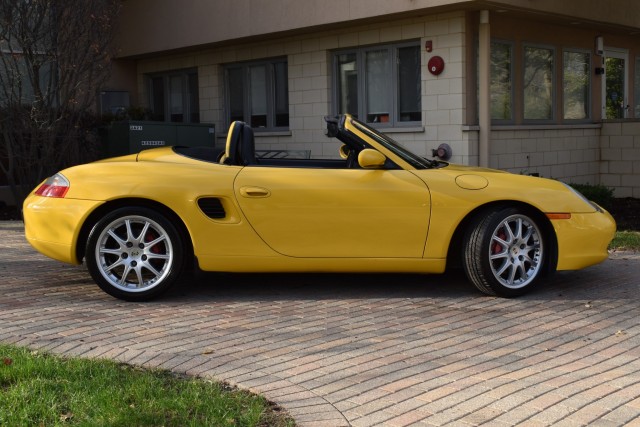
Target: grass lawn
pixel 626 240
pixel 39 389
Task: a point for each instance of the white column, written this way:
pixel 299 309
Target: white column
pixel 484 81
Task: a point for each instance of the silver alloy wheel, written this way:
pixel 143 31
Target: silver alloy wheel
pixel 516 251
pixel 134 253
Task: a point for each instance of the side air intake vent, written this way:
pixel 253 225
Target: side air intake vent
pixel 212 207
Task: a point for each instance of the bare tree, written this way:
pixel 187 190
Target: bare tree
pixel 54 56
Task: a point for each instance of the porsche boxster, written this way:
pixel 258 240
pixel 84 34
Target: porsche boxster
pixel 140 220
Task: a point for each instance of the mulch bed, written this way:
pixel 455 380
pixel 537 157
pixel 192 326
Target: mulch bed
pixel 8 213
pixel 626 211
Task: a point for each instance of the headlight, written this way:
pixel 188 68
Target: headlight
pixel 584 199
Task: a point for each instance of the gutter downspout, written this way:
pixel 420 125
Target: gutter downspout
pixel 484 81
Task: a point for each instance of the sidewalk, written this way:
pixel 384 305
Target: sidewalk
pixel 358 350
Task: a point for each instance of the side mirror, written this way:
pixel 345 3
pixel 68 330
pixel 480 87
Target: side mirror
pixel 371 159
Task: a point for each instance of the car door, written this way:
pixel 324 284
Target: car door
pixel 316 212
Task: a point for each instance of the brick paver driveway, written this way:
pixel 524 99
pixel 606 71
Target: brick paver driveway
pixel 358 350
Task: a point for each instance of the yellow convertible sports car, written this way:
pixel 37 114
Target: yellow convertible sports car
pixel 140 220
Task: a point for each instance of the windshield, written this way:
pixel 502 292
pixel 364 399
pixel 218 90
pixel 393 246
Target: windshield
pixel 406 155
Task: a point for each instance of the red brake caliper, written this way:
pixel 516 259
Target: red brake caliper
pixel 150 237
pixel 497 247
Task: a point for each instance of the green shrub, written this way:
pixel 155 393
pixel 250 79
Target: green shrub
pixel 597 193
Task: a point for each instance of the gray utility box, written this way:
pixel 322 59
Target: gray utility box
pixel 128 137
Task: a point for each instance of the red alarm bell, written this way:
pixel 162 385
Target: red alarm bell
pixel 436 65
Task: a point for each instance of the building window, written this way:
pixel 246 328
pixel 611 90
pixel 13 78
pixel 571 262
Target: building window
pixel 381 84
pixel 347 83
pixel 174 96
pixel 616 83
pixel 501 81
pixel 19 73
pixel 258 94
pixel 576 85
pixel 538 83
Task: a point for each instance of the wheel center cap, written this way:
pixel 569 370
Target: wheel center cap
pixel 517 248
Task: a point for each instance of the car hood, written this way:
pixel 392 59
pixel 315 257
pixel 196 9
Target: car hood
pixel 472 169
pixel 548 195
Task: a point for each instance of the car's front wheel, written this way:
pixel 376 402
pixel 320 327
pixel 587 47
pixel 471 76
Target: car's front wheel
pixel 504 252
pixel 134 254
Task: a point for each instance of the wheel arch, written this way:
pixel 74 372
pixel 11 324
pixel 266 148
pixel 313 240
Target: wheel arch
pixel 112 205
pixel 454 254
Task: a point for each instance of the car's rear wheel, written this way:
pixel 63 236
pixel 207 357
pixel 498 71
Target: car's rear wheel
pixel 134 254
pixel 504 252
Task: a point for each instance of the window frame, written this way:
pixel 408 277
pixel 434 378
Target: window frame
pixel 166 76
pixel 245 67
pixel 636 87
pixel 589 86
pixel 363 97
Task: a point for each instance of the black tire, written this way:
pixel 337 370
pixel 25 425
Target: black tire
pixel 135 254
pixel 504 252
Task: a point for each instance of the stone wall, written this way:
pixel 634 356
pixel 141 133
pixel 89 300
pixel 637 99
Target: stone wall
pixel 568 153
pixel 309 60
pixel 620 157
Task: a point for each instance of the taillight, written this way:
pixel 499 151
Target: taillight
pixel 55 186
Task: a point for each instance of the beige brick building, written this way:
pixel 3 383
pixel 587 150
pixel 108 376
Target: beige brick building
pixel 544 87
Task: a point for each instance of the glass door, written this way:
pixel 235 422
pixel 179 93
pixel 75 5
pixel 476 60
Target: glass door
pixel 614 90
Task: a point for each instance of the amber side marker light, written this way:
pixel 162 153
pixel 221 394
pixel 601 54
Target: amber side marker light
pixel 55 186
pixel 558 215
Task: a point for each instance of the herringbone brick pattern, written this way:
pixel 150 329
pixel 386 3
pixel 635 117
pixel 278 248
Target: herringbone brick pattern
pixel 360 350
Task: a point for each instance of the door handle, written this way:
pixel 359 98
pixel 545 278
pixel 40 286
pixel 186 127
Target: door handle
pixel 254 192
